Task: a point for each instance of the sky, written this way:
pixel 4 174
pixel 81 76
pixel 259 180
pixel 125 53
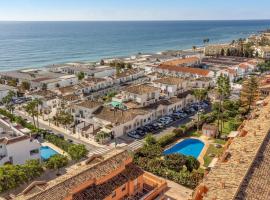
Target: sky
pixel 70 10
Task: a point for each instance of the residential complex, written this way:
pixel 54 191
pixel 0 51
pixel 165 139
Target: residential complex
pixel 15 146
pixel 109 176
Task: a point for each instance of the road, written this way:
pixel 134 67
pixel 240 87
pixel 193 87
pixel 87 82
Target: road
pixel 90 147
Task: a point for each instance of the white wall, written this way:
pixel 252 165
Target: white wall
pixel 20 151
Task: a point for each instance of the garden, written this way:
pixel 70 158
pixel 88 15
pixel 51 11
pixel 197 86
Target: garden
pixel 176 167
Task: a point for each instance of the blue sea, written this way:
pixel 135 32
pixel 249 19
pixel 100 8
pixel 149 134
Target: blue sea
pixel 37 44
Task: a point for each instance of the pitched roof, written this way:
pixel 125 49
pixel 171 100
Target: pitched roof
pixel 169 81
pixel 183 61
pixel 89 104
pixel 245 174
pixel 141 89
pixel 188 70
pixel 76 175
pixel 118 116
pixel 103 190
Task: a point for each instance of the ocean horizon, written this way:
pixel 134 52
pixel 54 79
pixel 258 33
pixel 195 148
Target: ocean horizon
pixel 28 44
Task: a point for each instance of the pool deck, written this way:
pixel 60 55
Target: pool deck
pixel 57 149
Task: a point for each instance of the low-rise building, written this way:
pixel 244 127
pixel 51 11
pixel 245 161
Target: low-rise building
pixel 4 90
pixel 184 71
pixel 171 86
pixel 16 147
pixel 263 52
pixel 209 130
pixel 142 94
pixel 183 62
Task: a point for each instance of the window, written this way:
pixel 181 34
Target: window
pixel 113 194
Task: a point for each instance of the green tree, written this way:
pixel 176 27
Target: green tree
pixel 102 62
pixel 26 85
pixel 44 86
pixel 77 152
pixel 249 92
pixel 7 101
pixel 31 109
pixel 80 76
pixel 56 162
pixel 224 91
pixel 194 48
pixel 64 118
pixel 192 163
pixel 175 161
pixel 150 140
pixel 38 103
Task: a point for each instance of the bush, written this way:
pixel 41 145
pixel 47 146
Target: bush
pixel 77 152
pixel 175 162
pixel 12 176
pixel 150 140
pixel 192 163
pixel 150 151
pixel 57 161
pixel 170 138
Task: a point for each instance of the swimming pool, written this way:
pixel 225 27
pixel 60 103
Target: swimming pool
pixel 46 152
pixel 188 147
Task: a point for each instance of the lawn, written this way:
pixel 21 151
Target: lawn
pixel 220 141
pixel 211 150
pixel 194 133
pixel 226 129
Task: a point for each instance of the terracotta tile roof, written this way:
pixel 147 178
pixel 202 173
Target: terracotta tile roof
pixel 95 80
pixel 42 79
pixel 89 104
pixel 127 73
pixel 141 89
pixel 244 65
pixel 184 61
pixel 47 94
pixel 245 174
pixel 118 116
pixel 76 175
pixel 103 190
pixel 71 97
pixel 170 81
pixel 187 70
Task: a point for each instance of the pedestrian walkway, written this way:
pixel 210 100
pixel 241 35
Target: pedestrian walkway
pixel 99 151
pixel 134 146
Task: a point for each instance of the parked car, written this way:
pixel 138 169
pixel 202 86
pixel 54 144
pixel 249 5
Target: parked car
pixel 60 136
pixel 134 135
pixel 70 140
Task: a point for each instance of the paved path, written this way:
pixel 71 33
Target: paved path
pixel 90 147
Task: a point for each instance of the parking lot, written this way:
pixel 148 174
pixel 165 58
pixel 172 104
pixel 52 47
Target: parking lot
pixel 167 123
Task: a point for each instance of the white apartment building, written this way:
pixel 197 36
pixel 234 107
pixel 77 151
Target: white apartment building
pixel 142 95
pixel 4 89
pixel 15 147
pixel 171 86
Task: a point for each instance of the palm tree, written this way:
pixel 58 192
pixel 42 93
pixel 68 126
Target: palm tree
pixel 31 109
pixel 7 101
pixel 224 90
pixel 38 103
pixel 26 85
pixel 194 48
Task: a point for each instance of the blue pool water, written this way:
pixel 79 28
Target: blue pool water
pixel 188 147
pixel 46 152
